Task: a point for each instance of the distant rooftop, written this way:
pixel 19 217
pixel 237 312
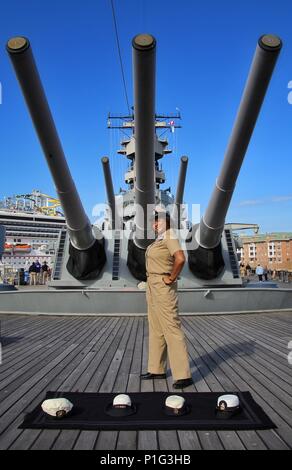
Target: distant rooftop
pixel 267 236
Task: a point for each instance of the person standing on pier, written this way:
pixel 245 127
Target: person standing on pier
pixel 38 272
pixel 260 272
pixel 164 262
pixel 32 274
pixel 265 273
pixel 44 272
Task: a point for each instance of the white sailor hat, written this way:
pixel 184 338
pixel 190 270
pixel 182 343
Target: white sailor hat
pixel 122 401
pixel 228 402
pixel 121 406
pixel 175 405
pixel 161 212
pixel 57 407
pixel 160 209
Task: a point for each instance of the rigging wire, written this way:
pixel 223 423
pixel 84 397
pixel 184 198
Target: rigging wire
pixel 120 55
pixel 123 132
pixel 164 132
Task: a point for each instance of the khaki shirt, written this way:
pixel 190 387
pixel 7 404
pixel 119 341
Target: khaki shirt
pixel 159 255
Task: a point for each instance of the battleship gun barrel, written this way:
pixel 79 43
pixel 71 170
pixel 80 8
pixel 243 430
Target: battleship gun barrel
pixel 212 224
pixel 79 227
pixel 109 189
pixel 144 52
pixel 180 188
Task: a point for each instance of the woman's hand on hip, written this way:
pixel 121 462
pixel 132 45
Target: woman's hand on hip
pixel 167 280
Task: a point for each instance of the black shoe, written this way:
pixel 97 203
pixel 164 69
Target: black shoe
pixel 183 383
pixel 149 376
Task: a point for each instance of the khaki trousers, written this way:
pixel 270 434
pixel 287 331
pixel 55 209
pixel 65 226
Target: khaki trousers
pixel 165 333
pixel 45 277
pixel 33 278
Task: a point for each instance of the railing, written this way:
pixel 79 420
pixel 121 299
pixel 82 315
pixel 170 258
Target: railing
pixel 116 257
pixel 232 255
pixel 59 257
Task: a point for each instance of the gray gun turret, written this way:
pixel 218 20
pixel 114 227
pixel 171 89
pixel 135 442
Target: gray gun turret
pixel 87 255
pixel 144 48
pixel 205 260
pixel 109 191
pixel 180 190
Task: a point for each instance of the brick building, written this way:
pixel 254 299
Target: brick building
pixel 273 250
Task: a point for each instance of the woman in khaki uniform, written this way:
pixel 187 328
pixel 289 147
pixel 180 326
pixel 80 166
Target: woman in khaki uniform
pixel 164 262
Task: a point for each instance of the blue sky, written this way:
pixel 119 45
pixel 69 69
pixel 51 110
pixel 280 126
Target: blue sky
pixel 204 51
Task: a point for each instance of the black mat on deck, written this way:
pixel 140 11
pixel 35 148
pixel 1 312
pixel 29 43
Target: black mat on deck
pixel 89 412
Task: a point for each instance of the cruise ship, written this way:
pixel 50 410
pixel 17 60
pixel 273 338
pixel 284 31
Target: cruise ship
pixel 34 224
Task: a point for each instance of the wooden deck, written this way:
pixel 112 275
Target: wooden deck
pixel 107 354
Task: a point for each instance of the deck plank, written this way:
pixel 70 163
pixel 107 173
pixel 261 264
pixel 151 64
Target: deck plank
pixel 232 352
pixel 167 439
pixel 36 358
pixel 264 357
pixel 209 381
pixel 106 354
pixel 108 439
pixel 147 440
pixel 66 366
pixel 127 440
pixel 225 361
pixel 266 370
pixel 94 342
pixel 15 350
pixel 252 368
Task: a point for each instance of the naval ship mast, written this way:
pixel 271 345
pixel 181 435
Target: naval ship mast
pixel 163 197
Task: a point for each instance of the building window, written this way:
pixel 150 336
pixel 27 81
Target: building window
pixel 271 249
pixel 251 250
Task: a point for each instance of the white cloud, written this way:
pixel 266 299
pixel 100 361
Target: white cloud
pixel 281 198
pixel 257 202
pixel 252 202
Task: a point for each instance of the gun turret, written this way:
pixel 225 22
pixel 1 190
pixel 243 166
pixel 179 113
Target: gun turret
pixel 180 189
pixel 144 48
pixel 109 190
pixel 87 255
pixel 206 260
